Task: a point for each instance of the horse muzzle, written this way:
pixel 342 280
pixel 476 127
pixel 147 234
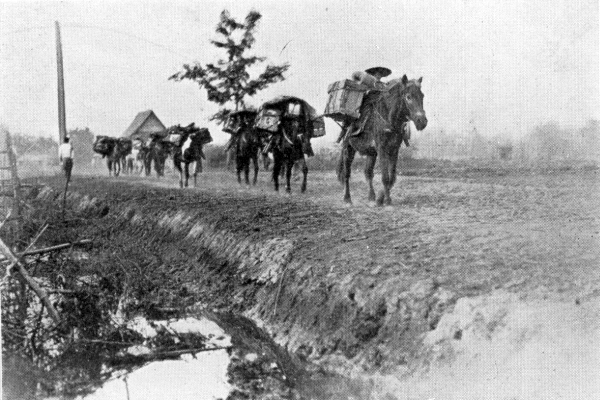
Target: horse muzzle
pixel 420 121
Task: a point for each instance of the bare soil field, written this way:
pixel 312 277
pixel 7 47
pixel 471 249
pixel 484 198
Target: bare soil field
pixel 381 295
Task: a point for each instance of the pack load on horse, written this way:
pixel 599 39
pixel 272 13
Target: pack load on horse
pixel 187 143
pixel 246 142
pixel 346 97
pixel 382 125
pixel 289 123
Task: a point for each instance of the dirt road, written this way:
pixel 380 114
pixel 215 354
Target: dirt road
pixel 517 232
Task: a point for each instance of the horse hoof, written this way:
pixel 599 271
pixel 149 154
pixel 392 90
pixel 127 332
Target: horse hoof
pixel 347 200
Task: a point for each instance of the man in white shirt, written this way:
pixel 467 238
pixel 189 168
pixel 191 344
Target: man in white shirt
pixel 65 154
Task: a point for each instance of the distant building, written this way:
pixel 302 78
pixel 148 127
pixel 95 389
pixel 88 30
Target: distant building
pixel 143 125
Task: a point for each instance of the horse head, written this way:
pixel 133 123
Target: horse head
pixel 406 102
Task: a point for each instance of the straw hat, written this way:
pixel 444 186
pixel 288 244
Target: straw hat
pixel 383 71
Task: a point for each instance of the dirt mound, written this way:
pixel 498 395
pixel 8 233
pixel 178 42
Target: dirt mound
pixel 501 347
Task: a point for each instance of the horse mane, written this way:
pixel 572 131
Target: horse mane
pixel 394 90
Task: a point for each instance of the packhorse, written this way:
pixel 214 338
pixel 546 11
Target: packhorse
pixel 384 116
pixel 246 144
pixel 126 147
pixel 157 150
pixel 113 150
pixel 289 122
pixel 187 148
pixel 287 148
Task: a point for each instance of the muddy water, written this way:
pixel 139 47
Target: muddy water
pixel 197 375
pixel 239 360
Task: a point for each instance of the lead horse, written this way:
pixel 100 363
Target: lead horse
pixel 386 115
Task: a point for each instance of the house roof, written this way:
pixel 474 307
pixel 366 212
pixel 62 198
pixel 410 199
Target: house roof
pixel 139 120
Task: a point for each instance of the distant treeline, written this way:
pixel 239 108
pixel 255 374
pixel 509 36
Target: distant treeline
pixel 35 146
pixel 546 142
pixel 25 144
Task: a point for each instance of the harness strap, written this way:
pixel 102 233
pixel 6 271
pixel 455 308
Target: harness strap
pixel 285 136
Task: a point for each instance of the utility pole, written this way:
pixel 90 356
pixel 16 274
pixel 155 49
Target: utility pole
pixel 62 124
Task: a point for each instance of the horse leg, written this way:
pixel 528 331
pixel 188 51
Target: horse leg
pixel 392 176
pixel 247 171
pixel 255 163
pixel 369 168
pixel 289 167
pixel 187 173
pixel 384 194
pixel 197 170
pixel 238 169
pixel 346 170
pixel 177 165
pixel 392 162
pixel 305 175
pixel 277 164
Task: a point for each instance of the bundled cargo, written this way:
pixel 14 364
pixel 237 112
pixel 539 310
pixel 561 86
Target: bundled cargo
pixel 204 136
pixel 137 144
pixel 236 120
pixel 345 99
pixel 231 125
pixel 175 138
pixel 318 127
pixel 268 119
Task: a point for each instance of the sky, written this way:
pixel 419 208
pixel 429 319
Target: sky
pixel 502 67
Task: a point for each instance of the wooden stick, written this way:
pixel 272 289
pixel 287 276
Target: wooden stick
pixel 160 355
pixel 54 248
pixel 4 249
pixel 35 239
pixel 6 219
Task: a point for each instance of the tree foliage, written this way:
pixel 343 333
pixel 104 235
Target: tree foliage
pixel 228 81
pixel 25 144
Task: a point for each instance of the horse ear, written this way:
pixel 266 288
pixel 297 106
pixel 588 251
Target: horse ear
pixel 404 80
pixel 420 80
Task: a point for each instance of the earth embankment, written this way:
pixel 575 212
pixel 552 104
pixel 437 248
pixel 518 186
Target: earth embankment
pixel 456 278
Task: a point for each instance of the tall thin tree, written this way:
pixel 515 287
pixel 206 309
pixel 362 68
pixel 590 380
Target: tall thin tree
pixel 228 82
